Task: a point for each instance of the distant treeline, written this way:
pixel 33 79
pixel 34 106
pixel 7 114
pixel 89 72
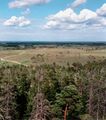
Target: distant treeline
pixel 53 92
pixel 23 45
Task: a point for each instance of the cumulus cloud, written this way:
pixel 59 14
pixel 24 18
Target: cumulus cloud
pixel 68 19
pixel 76 3
pixel 17 21
pixel 102 11
pixel 24 3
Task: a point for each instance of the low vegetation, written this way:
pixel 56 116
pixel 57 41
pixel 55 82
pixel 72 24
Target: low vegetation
pixel 60 55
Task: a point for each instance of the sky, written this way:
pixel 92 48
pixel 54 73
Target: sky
pixel 53 20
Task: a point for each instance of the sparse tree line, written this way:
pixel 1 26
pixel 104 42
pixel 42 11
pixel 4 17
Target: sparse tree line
pixel 53 92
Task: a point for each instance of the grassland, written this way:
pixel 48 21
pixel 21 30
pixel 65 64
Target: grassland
pixel 59 55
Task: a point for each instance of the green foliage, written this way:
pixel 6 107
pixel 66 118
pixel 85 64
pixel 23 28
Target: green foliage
pixel 86 117
pixel 80 88
pixel 68 96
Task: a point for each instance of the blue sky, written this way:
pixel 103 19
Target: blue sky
pixel 53 20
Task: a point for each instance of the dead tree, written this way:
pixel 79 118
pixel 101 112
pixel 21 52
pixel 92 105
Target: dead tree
pixel 41 105
pixel 7 97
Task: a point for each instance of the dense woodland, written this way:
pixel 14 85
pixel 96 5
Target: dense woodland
pixel 53 92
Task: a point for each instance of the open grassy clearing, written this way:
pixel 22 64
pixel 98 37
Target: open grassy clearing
pixel 58 55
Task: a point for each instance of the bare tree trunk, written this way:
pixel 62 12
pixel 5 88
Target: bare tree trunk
pixel 104 112
pixel 65 113
pixel 98 106
pixel 7 98
pixel 39 109
pixel 90 98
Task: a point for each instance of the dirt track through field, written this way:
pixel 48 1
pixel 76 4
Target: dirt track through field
pixel 11 61
pixel 6 59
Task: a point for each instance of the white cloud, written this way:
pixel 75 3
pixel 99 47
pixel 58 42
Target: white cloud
pixel 17 21
pixel 102 11
pixel 24 3
pixel 68 19
pixel 76 3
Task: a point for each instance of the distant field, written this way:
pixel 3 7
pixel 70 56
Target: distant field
pixel 59 55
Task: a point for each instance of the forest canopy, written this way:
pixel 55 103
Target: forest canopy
pixel 53 92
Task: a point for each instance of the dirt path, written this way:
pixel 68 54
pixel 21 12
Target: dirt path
pixel 11 61
pixel 10 56
pixel 6 59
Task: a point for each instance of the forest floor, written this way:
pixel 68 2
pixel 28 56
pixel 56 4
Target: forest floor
pixel 59 55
